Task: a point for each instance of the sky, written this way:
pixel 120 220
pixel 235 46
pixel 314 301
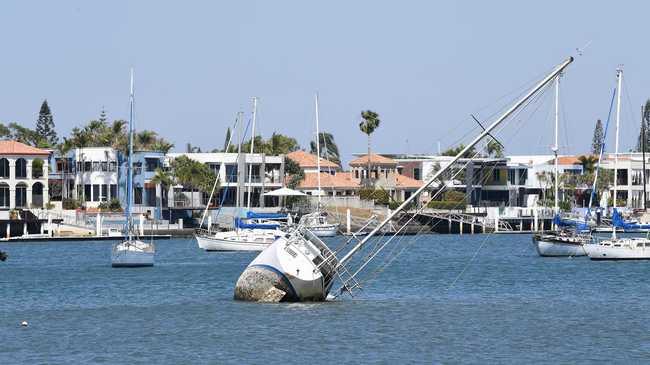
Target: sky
pixel 424 66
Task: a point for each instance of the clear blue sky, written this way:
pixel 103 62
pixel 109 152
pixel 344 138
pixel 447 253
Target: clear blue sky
pixel 423 66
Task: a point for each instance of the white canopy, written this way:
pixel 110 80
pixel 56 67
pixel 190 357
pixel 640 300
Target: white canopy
pixel 285 192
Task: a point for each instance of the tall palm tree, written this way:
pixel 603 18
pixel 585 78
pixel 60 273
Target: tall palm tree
pixel 588 163
pixel 163 180
pixel 328 148
pixel 368 125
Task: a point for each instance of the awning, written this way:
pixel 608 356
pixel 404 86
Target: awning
pixel 285 192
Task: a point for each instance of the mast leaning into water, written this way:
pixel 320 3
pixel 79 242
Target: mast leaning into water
pixel 300 267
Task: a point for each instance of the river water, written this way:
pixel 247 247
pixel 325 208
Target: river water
pixel 442 301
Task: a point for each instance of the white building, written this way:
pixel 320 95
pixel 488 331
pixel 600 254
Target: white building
pixel 96 174
pixel 266 174
pixel 23 176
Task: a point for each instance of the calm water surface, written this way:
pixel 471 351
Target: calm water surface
pixel 507 306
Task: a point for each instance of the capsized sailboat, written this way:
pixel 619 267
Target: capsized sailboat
pixel 300 267
pixel 132 252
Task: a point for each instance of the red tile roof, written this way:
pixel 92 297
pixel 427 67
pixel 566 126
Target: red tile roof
pixel 407 182
pixel 374 159
pixel 17 148
pixel 567 160
pixel 342 180
pixel 307 160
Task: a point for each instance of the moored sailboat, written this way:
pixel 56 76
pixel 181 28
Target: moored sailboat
pixel 317 221
pixel 132 252
pixel 245 236
pixel 561 241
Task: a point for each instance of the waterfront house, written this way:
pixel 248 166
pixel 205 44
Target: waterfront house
pixel 24 173
pixel 266 174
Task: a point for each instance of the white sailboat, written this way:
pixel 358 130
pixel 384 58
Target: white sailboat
pixel 619 248
pixel 559 243
pixel 244 236
pixel 317 222
pixel 132 252
pixel 300 267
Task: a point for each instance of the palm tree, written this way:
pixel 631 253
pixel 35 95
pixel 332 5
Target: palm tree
pixel 328 148
pixel 163 181
pixel 144 139
pixel 494 149
pixel 370 122
pixel 588 163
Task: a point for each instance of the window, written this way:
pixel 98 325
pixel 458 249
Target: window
pixel 21 195
pixel 87 192
pixel 496 175
pixel 511 176
pixel 231 173
pixel 523 175
pixel 152 164
pixel 21 168
pixel 95 192
pixel 137 195
pixel 417 173
pixel 104 196
pixel 356 174
pixel 112 166
pixel 137 168
pixel 113 191
pixel 4 196
pixel 88 166
pixel 4 168
pixel 151 197
pixel 104 165
pixel 96 166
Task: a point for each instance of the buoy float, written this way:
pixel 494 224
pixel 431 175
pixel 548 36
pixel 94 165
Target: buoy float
pixel 23 324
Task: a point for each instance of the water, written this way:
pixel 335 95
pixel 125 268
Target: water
pixel 508 306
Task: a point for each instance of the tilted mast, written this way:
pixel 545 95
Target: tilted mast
pixel 486 132
pixel 129 176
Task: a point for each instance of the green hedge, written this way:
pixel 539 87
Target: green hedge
pixel 445 204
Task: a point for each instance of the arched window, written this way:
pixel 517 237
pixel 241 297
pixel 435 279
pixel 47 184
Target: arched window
pixel 37 195
pixel 21 168
pixel 4 195
pixel 4 168
pixel 37 168
pixel 21 195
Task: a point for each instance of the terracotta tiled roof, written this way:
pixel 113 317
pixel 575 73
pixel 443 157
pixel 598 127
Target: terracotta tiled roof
pixel 567 160
pixel 374 159
pixel 17 148
pixel 342 180
pixel 307 160
pixel 407 182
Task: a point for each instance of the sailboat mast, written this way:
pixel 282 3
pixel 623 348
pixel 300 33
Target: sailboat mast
pixel 643 156
pixel 252 149
pixel 555 146
pixel 435 177
pixel 619 76
pixel 240 116
pixel 129 176
pixel 317 150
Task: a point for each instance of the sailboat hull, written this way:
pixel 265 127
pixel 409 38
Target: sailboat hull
pixel 624 249
pixel 552 246
pixel 133 254
pixel 282 273
pixel 329 230
pixel 237 241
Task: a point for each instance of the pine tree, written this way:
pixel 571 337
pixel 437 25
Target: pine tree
pixel 644 122
pixel 225 143
pixel 45 126
pixel 597 141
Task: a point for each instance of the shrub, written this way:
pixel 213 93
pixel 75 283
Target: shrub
pixel 377 195
pixel 71 203
pixel 445 204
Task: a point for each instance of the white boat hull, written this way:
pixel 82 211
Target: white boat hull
pixel 625 249
pixel 243 240
pixel 550 246
pixel 284 272
pixel 330 230
pixel 133 254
